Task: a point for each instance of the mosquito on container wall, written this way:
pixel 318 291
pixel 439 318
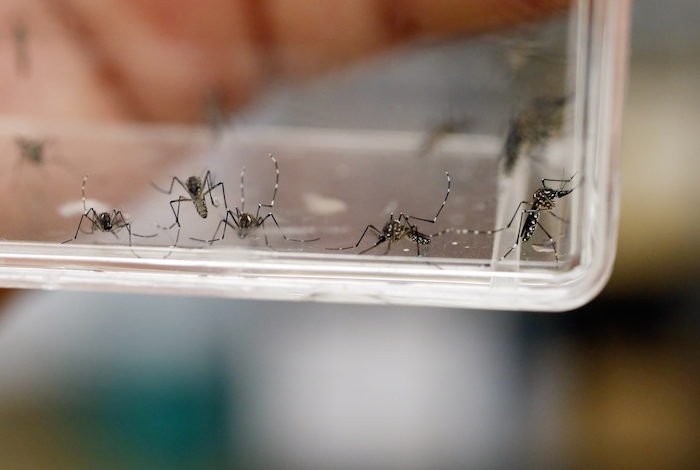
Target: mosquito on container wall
pixel 196 188
pixel 20 37
pixel 543 202
pixel 34 152
pixel 531 129
pixel 31 150
pixel 215 112
pixel 245 223
pixel 397 229
pixel 107 222
pixel 526 53
pixel 438 132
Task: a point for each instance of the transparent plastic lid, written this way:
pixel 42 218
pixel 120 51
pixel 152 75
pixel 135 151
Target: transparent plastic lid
pixel 414 178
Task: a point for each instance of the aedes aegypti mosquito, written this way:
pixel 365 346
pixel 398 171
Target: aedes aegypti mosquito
pixel 397 229
pixel 531 129
pixel 197 191
pixel 108 222
pixel 452 125
pixel 20 36
pixel 543 202
pixel 31 150
pixel 245 223
pixel 34 152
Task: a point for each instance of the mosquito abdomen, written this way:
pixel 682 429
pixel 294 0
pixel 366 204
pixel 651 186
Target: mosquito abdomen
pixel 529 226
pixel 421 238
pixel 201 207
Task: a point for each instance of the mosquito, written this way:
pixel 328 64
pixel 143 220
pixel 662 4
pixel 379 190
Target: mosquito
pixel 197 191
pixel 440 131
pixel 34 152
pixel 523 54
pixel 401 228
pixel 215 113
pixel 532 128
pixel 20 35
pixel 31 150
pixel 543 202
pixel 245 223
pixel 109 222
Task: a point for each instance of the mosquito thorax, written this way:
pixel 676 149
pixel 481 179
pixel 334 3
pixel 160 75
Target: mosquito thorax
pixel 194 185
pixel 246 220
pixel 546 196
pixel 392 227
pixel 395 230
pixel 105 220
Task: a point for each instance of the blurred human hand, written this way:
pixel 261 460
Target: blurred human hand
pixel 159 59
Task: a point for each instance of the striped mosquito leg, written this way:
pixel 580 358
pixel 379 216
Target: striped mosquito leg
pixel 442 206
pixel 551 240
pixel 83 192
pixel 464 231
pixel 443 232
pixel 243 189
pixel 517 238
pixel 274 192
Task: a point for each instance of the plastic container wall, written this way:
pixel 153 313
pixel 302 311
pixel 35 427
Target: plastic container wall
pixel 498 114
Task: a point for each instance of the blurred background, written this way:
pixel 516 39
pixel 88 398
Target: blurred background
pixel 124 381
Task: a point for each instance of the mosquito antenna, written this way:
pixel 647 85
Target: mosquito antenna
pixel 447 195
pixel 449 185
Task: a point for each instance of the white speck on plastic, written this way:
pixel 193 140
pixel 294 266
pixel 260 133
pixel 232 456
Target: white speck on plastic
pixel 543 248
pixel 322 205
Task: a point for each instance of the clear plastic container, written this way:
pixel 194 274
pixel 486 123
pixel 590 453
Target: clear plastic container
pixel 352 148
